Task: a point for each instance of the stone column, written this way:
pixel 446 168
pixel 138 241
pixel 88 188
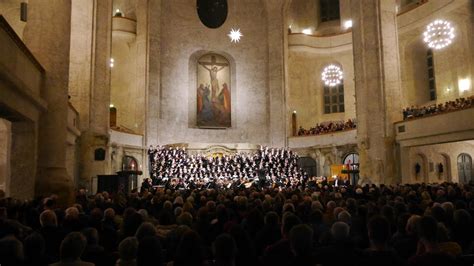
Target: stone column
pixel 152 76
pixel 47 35
pixel 276 72
pixel 96 130
pixel 377 86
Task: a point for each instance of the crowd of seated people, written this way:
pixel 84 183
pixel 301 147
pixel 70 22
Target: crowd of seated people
pixel 328 127
pixel 413 224
pixel 173 167
pixel 458 104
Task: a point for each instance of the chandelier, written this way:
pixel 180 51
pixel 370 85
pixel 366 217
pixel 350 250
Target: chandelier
pixel 332 75
pixel 438 34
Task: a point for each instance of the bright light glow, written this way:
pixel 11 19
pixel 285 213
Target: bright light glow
pixel 438 34
pixel 235 35
pixel 464 84
pixel 111 106
pixel 118 12
pixel 307 31
pixel 348 24
pixel 332 75
pixel 294 111
pixel 112 61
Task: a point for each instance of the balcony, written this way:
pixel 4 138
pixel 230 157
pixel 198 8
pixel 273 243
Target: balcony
pixel 441 128
pixel 124 29
pixel 324 140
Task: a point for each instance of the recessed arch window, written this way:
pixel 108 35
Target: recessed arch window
pixel 333 98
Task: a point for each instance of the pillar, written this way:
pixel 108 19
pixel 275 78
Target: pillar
pixel 152 76
pixel 377 86
pixel 95 131
pixel 276 72
pixel 47 35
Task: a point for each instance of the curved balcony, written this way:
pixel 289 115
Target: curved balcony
pixel 124 28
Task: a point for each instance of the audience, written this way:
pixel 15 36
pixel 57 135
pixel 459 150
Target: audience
pixel 328 127
pixel 411 224
pixel 434 109
pixel 71 250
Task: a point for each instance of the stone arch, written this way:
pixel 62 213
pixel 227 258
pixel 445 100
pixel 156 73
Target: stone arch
pixel 447 167
pixel 192 84
pixel 465 172
pixel 309 165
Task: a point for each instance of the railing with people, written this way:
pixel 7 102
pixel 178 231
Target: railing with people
pixel 434 109
pixel 328 127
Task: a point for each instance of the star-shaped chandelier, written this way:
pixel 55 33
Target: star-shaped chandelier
pixel 235 35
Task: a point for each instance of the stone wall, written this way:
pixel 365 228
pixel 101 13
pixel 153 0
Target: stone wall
pixel 10 9
pixel 452 63
pixel 430 156
pixel 306 87
pixel 182 37
pixel 5 148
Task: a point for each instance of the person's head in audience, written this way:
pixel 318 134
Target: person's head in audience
pixel 150 251
pixel 271 219
pixel 411 225
pixel 224 250
pixel 340 231
pixel 185 219
pixel 289 221
pixel 127 250
pixel 109 214
pixel 427 229
pixel 345 217
pixel 145 229
pixel 48 219
pixel 72 247
pixel 379 232
pixel 189 250
pixel 92 235
pixel 301 240
pixel 72 213
pixel 34 248
pixel 131 223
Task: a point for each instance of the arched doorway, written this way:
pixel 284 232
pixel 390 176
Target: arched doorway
pixel 465 168
pixel 420 168
pixel 308 165
pixel 351 166
pixel 444 171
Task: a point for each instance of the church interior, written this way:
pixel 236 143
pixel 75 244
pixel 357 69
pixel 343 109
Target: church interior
pixel 359 92
pixel 120 76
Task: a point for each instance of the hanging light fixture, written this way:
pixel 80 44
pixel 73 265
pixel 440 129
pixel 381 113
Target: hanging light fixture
pixel 332 75
pixel 438 34
pixel 235 35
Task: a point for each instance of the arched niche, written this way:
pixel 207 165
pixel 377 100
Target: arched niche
pixel 420 168
pixel 197 72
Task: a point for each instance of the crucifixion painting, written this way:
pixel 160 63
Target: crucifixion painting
pixel 213 92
